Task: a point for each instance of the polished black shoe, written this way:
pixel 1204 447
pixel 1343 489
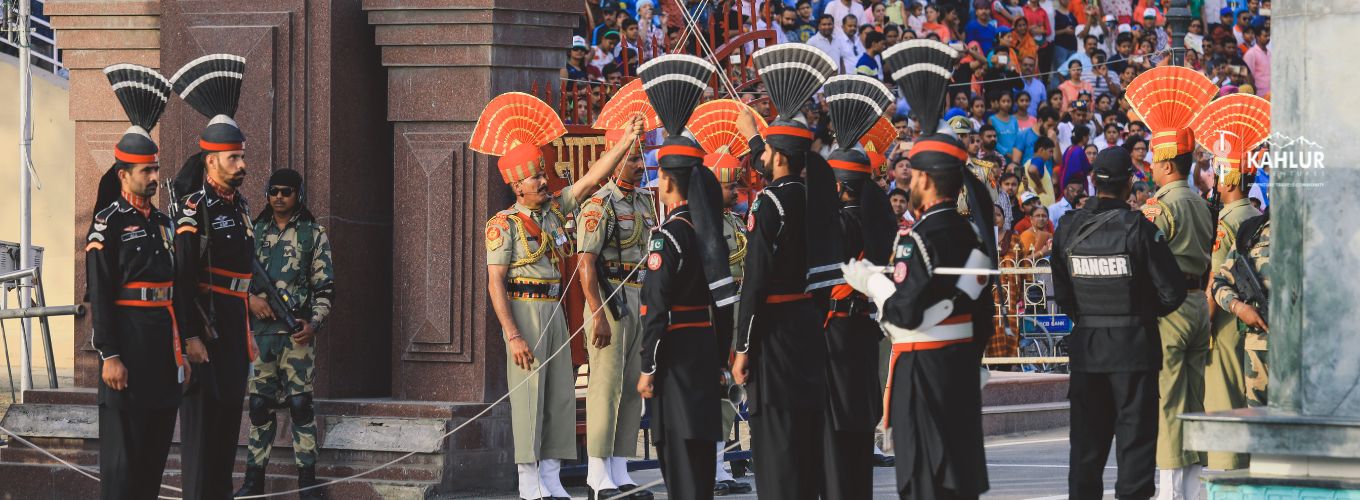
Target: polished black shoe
pixel 306 478
pixel 737 487
pixel 720 489
pixel 636 493
pixel 884 460
pixel 602 494
pixel 253 483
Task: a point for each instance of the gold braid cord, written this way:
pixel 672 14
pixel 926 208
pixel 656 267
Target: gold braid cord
pixel 533 256
pixel 739 253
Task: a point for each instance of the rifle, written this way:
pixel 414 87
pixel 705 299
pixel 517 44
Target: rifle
pixel 1248 285
pixel 280 301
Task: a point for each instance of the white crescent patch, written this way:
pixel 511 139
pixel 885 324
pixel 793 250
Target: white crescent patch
pixel 100 227
pixel 95 236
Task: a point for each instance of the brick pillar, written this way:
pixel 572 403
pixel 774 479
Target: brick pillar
pixel 444 62
pixel 95 35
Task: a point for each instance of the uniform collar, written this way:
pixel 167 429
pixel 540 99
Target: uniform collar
pixel 788 179
pixel 1233 205
pixel 224 192
pixel 1170 186
pixel 141 203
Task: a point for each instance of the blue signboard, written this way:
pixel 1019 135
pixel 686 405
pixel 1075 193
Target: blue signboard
pixel 1052 323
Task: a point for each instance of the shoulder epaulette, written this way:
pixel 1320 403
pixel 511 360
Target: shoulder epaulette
pixel 102 216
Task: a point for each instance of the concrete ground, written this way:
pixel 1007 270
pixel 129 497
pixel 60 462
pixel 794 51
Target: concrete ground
pixel 1024 467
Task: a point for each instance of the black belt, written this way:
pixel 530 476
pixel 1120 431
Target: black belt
pixel 852 305
pixel 523 290
pixel 146 294
pixel 615 271
pixel 689 317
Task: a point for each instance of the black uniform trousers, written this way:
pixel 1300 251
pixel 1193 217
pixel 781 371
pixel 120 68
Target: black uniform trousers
pixel 854 406
pixel 787 452
pixel 209 430
pixel 688 467
pixel 1109 406
pixel 133 446
pixel 849 465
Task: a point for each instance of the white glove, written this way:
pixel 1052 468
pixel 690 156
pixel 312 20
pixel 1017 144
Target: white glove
pixel 857 273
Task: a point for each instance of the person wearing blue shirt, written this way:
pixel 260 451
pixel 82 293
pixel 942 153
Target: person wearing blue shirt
pixel 874 43
pixel 1007 128
pixel 982 30
pixel 1046 119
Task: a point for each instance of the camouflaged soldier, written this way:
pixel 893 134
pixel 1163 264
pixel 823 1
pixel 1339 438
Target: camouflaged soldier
pixel 524 245
pixel 611 238
pixel 1253 240
pixel 296 253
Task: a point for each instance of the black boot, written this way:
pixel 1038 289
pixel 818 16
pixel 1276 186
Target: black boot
pixel 253 484
pixel 307 477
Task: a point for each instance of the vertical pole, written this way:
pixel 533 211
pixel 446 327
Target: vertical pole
pixel 25 185
pixel 1177 24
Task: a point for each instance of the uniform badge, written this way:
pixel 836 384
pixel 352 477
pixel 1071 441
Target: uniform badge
pixel 1152 209
pixel 1218 240
pixel 751 221
pixel 654 261
pixel 900 272
pixel 592 224
pixel 99 226
pixel 493 238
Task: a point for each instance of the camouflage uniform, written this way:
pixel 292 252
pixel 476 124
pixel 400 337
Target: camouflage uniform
pixel 1254 342
pixel 298 260
pixel 614 225
pixel 1185 219
pixel 532 243
pixel 1223 387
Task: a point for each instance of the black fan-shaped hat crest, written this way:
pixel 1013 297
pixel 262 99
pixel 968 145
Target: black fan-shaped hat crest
pixel 211 84
pixel 792 72
pixel 922 69
pixel 142 91
pixel 675 84
pixel 856 103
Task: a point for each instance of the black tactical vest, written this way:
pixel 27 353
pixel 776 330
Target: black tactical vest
pixel 1103 268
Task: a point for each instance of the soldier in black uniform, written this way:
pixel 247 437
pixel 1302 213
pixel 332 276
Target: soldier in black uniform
pixel 934 385
pixel 130 267
pixel 781 350
pixel 866 226
pixel 1114 275
pixel 688 288
pixel 214 244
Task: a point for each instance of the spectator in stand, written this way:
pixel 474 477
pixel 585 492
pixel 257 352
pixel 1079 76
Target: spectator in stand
pixel 1142 169
pixel 626 53
pixel 892 34
pixel 613 76
pixel 901 173
pixel 1006 12
pixel 1032 84
pixel 1023 118
pixel 1258 61
pixel 1064 36
pixel 841 8
pixel 1108 139
pixel 1036 242
pixel 1043 125
pixel 1007 127
pixel 982 29
pixel 1023 44
pixel 899 200
pixel 898 11
pixel 1194 38
pixel 1089 48
pixel 852 47
pixel 916 14
pixel 1028 201
pixel 1073 86
pixel 651 29
pixel 867 65
pixel 788 24
pixel 1040 29
pixel 1224 25
pixel 1123 51
pixel 1039 169
pixel 575 69
pixel 1008 195
pixel 1075 165
pixel 1243 20
pixel 603 53
pixel 1071 192
pixel 934 24
pixel 879 13
pixel 580 112
pixel 826 39
pixel 807 25
pixel 977 112
pixel 609 21
pixel 1090 24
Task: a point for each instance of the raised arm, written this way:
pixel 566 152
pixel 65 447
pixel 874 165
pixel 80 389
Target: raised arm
pixel 607 162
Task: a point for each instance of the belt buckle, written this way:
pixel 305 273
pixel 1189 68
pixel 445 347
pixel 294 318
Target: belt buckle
pixel 144 293
pixel 554 289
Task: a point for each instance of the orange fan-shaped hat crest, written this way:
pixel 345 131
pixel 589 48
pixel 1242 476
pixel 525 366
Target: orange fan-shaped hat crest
pixel 879 137
pixel 512 119
pixel 714 125
pixel 1167 98
pixel 1232 126
pixel 628 102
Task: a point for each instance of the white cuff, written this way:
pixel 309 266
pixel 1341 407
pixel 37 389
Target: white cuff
pixel 880 289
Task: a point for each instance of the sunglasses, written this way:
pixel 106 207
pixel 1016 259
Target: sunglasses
pixel 280 191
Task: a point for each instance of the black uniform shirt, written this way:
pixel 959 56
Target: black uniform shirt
pixel 1158 289
pixel 776 253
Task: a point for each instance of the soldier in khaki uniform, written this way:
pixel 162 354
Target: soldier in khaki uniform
pixel 611 237
pixel 524 245
pixel 295 252
pixel 1253 239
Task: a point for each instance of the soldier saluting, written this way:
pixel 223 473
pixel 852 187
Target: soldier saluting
pixel 130 266
pixel 295 253
pixel 523 246
pixel 215 247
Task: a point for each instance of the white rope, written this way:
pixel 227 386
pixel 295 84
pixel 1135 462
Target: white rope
pixel 703 44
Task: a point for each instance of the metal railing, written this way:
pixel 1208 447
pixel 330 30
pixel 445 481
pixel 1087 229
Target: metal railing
pixel 42 38
pixel 14 281
pixel 1024 306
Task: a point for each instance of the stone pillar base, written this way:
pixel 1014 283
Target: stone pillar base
pixel 1253 487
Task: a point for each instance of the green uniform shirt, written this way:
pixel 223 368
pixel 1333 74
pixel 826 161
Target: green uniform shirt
pixel 298 260
pixel 509 241
pixel 1189 226
pixel 1230 218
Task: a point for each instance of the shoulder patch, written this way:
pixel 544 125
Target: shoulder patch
pixel 494 239
pixel 654 261
pixel 1152 210
pixel 657 243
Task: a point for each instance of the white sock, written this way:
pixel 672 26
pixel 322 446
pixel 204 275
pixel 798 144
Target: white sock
pixel 877 450
pixel 618 471
pixel 722 473
pixel 1171 484
pixel 529 484
pixel 1190 484
pixel 597 474
pixel 549 472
